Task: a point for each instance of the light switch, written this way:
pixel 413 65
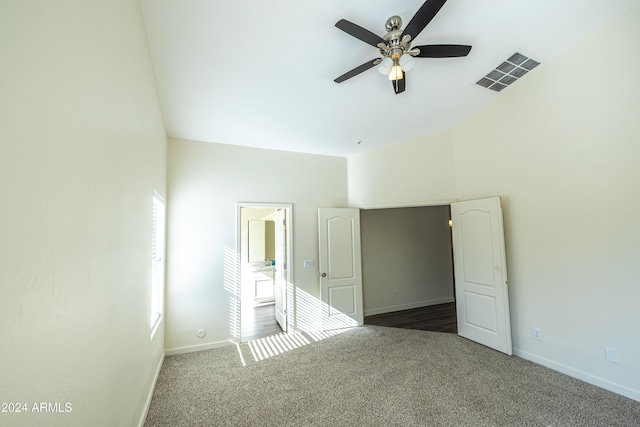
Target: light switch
pixel 308 263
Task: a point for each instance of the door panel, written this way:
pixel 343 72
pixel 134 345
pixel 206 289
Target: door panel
pixel 482 301
pixel 341 257
pixel 477 247
pixel 280 287
pixel 340 267
pixel 342 299
pixel 480 311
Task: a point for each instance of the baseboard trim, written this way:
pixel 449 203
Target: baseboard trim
pixel 392 308
pixel 199 347
pixel 147 404
pixel 581 375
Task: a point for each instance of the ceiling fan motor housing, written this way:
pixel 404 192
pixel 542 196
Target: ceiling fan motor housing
pixel 395 43
pixel 393 38
pixel 393 23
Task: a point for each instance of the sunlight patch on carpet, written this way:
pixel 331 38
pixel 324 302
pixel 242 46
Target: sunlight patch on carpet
pixel 264 348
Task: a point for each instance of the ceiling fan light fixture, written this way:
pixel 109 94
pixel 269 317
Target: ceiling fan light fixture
pixel 385 66
pixel 406 62
pixel 396 73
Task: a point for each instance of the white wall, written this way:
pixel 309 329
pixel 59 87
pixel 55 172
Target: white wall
pixel 82 147
pixel 408 174
pixel 205 181
pixel 407 250
pixel 561 148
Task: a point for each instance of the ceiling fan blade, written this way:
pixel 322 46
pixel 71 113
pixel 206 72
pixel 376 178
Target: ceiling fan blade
pixel 400 85
pixel 359 32
pixel 423 16
pixel 442 50
pixel 357 70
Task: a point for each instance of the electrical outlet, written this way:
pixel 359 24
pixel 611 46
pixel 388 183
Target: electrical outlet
pixel 537 334
pixel 611 354
pixel 395 293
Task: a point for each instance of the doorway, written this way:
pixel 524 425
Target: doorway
pixel 408 268
pixel 264 248
pixel 481 287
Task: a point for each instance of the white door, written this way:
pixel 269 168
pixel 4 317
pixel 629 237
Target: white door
pixel 281 269
pixel 340 268
pixel 482 301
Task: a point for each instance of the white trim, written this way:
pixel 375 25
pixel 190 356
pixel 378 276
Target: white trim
pixel 446 202
pixel 199 347
pixel 147 403
pixel 392 308
pixel 581 375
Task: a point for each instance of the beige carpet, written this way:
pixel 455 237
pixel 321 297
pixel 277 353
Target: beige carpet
pixel 375 376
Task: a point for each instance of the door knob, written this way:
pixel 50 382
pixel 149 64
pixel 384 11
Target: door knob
pixel 323 275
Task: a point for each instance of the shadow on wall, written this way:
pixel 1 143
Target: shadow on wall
pixel 232 285
pixel 310 314
pixel 314 319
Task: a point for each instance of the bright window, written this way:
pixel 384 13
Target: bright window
pixel 157 265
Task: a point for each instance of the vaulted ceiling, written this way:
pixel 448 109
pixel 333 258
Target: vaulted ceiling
pixel 261 73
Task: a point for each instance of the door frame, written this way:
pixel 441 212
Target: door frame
pixel 421 205
pixel 288 241
pixel 449 203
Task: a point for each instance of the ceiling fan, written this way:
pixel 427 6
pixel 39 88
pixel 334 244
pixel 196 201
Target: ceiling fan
pixel 395 46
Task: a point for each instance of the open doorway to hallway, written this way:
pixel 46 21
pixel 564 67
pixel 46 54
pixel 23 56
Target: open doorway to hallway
pixel 264 234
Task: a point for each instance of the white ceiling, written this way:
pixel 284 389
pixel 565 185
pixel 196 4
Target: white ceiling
pixel 260 73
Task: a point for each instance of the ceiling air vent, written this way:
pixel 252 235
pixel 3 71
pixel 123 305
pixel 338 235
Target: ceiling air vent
pixel 508 72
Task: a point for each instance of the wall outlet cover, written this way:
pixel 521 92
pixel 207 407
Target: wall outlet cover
pixel 611 354
pixel 537 334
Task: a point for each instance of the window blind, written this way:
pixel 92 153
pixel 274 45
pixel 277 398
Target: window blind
pixel 157 264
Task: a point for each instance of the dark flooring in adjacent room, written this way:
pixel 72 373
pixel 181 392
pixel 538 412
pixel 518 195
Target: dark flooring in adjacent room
pixel 437 318
pixel 260 322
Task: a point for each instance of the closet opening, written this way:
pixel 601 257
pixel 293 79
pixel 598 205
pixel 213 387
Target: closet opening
pixel 407 268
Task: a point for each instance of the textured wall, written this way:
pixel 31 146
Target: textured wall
pixel 408 174
pixel 206 181
pixel 82 148
pixel 561 148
